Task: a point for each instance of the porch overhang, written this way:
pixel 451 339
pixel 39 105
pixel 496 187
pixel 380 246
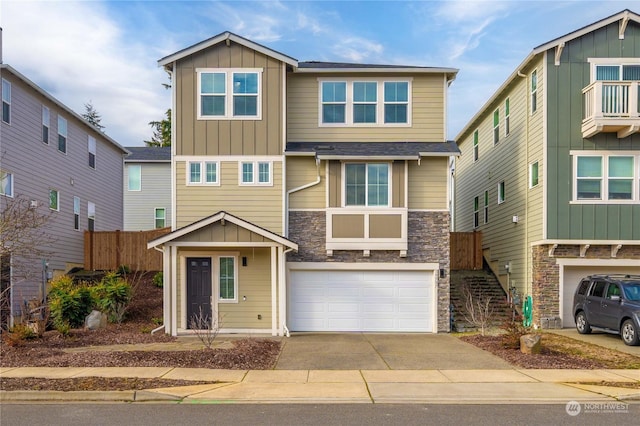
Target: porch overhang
pixel 372 150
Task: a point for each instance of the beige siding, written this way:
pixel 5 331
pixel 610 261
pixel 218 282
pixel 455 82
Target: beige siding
pixel 428 183
pixel 503 240
pixel 302 171
pixel 261 205
pixel 428 113
pixel 228 233
pixel 228 137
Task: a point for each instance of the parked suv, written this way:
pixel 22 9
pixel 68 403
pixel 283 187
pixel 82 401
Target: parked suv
pixel 611 303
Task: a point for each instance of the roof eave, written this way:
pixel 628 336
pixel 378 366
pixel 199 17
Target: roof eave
pixel 377 70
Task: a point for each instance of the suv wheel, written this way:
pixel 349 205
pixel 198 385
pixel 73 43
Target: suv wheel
pixel 582 325
pixel 629 333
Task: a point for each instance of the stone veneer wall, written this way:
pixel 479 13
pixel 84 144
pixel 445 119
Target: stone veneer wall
pixel 546 274
pixel 428 241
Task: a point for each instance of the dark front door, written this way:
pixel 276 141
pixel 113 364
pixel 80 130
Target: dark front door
pixel 198 291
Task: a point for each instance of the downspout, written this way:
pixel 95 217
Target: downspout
pixel 283 294
pixel 528 282
pixel 300 188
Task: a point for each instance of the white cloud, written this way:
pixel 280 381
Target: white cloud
pixel 78 54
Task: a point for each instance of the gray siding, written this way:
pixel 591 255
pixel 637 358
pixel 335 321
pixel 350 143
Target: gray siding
pixel 38 167
pixel 155 192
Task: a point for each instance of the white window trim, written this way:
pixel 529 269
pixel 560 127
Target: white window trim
pixel 349 103
pixel 476 212
pixel 46 123
pixel 507 116
pixel 2 101
pixel 92 151
pixel 216 270
pixel 137 167
pixel 486 207
pixel 496 127
pixel 203 173
pixel 4 194
pixel 502 197
pixel 594 62
pixel 76 212
pixel 91 214
pixel 228 95
pixel 256 172
pixel 476 145
pixel 57 207
pixel 604 187
pixel 155 217
pixel 533 92
pixel 65 134
pixel 531 185
pixel 366 205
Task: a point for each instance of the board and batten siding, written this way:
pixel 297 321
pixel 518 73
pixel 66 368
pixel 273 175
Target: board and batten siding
pixel 302 171
pixel 585 221
pixel 251 284
pixel 507 161
pixel 260 205
pixel 428 183
pixel 38 167
pixel 229 137
pixel 428 112
pixel 155 192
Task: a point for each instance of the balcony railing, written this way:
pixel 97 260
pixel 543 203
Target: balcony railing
pixel 611 106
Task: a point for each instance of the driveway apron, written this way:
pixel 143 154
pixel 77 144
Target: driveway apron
pixel 369 351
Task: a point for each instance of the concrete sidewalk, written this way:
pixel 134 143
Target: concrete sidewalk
pixel 347 386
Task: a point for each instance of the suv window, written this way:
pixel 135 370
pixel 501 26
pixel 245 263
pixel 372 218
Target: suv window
pixel 613 290
pixel 598 289
pixel 584 286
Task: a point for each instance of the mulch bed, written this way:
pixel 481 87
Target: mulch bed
pixel 92 384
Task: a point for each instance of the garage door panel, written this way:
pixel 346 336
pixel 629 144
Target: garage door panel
pixel 361 301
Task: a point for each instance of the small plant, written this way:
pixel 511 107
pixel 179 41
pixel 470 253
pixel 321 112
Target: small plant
pixel 64 329
pixel 69 303
pixel 478 309
pixel 123 270
pixel 513 330
pixel 145 329
pixel 18 334
pixel 206 328
pixel 158 279
pixel 157 321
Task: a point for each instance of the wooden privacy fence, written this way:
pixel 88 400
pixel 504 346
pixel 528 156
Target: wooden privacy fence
pixel 106 250
pixel 466 250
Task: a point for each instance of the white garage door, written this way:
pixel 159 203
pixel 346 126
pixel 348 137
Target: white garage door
pixel 361 301
pixel 571 279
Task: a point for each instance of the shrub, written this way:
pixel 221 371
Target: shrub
pixel 112 296
pixel 158 279
pixel 123 270
pixel 513 330
pixel 69 303
pixel 18 334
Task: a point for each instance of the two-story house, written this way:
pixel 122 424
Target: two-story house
pixel 68 170
pixel 147 183
pixel 550 167
pixel 308 196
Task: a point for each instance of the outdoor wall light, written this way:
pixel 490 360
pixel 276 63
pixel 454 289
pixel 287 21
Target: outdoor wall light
pixel 244 260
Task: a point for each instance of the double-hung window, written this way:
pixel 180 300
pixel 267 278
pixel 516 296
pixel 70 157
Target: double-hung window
pixel 367 184
pixel 227 279
pixel 607 178
pixel 91 148
pixel 507 121
pixel 533 174
pixel 476 212
pixel 534 91
pixel 159 217
pixel 202 173
pixel 486 207
pixel 62 134
pixel 501 193
pixel 6 101
pixel 229 94
pixel 475 146
pixel 54 199
pixel 76 213
pixel 45 124
pixel 6 183
pixel 352 102
pixel 496 126
pixel 135 177
pixel 91 216
pixel 255 173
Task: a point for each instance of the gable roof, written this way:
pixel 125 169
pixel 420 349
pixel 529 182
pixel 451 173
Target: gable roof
pixel 226 37
pixel 218 217
pixel 373 150
pixel 148 154
pixel 558 43
pixel 62 106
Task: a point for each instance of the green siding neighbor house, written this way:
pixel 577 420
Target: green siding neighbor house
pixel 556 154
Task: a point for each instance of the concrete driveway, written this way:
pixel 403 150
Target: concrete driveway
pixel 600 338
pixel 365 351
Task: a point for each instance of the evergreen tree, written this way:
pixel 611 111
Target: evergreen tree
pixel 92 116
pixel 161 131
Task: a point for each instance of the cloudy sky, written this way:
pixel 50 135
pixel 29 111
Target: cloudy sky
pixel 106 52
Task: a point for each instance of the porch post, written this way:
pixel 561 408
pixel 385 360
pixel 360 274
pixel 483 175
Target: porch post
pixel 274 291
pixel 166 289
pixel 174 291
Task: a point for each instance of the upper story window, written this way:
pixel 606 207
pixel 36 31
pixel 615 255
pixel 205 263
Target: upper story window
pixel 6 183
pixel 159 217
pixel 350 102
pixel 54 199
pixel 534 91
pixel 229 94
pixel 507 121
pixel 91 216
pixel 62 134
pixel 135 178
pixel 6 101
pixel 501 193
pixel 475 146
pixel 202 172
pixel 76 213
pixel 617 72
pixel 606 178
pixel 486 207
pixel 46 122
pixel 496 126
pixel 476 212
pixel 533 175
pixel 91 147
pixel 366 184
pixel 255 173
